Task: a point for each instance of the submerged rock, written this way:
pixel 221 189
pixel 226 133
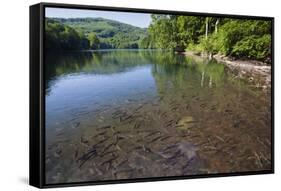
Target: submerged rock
pixel 185 123
pixel 187 149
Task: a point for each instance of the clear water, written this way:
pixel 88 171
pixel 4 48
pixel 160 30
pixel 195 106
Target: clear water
pixel 124 114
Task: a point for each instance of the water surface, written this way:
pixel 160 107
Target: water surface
pixel 123 114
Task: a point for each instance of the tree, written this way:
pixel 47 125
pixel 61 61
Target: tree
pixel 162 31
pixel 190 28
pixel 62 37
pixel 94 41
pixel 245 38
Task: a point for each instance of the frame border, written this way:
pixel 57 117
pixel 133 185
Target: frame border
pixel 40 166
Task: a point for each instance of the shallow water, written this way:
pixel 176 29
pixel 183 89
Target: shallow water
pixel 135 114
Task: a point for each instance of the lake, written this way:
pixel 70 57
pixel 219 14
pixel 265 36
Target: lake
pixel 121 114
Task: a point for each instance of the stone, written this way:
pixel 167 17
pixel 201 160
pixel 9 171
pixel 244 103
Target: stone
pixel 185 123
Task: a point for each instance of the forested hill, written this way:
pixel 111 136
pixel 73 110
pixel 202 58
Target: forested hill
pixel 236 38
pixel 105 33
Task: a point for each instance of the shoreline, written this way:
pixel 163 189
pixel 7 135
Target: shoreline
pixel 256 72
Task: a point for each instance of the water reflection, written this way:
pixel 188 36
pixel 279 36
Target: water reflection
pixel 111 62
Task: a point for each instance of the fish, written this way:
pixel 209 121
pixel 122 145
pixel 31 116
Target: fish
pixel 104 127
pixel 176 155
pixel 155 139
pixel 122 162
pixel 126 118
pixel 165 138
pixel 58 153
pixel 136 126
pixel 84 158
pixel 75 124
pixel 59 134
pixel 101 133
pixel 76 154
pixel 153 133
pixel 109 161
pixel 107 147
pixel 84 141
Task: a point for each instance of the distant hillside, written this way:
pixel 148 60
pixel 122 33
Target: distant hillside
pixel 111 34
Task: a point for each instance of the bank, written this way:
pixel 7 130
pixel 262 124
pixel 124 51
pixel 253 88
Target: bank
pixel 256 72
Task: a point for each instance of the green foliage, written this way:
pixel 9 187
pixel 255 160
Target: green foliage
pixel 94 41
pixel 239 38
pixel 59 36
pixel 207 45
pixel 147 42
pixel 190 29
pixel 245 38
pixel 253 47
pixel 161 31
pixel 111 34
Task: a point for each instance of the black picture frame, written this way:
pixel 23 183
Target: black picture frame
pixel 37 95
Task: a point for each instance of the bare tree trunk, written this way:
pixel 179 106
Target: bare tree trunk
pixel 210 82
pixel 202 78
pixel 216 26
pixel 207 26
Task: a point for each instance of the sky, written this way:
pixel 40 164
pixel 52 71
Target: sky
pixel 136 19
